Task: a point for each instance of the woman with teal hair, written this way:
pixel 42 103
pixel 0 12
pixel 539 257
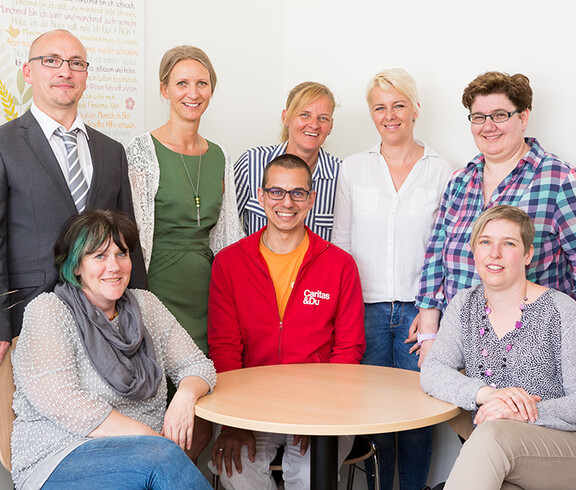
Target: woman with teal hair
pixel 90 372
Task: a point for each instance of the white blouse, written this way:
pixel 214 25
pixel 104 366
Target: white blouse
pixel 385 230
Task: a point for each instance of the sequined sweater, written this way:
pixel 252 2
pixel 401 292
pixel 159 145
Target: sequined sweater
pixel 539 357
pixel 60 398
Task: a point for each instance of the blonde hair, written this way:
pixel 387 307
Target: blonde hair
pixel 181 53
pixel 508 213
pixel 394 78
pixel 301 96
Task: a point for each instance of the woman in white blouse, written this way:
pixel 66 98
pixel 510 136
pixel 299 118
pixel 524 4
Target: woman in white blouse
pixel 386 200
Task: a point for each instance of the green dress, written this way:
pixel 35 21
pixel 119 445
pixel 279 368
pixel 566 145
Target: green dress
pixel 179 272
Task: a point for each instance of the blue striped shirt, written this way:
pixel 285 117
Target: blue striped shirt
pixel 248 171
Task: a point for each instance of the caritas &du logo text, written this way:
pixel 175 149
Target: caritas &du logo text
pixel 314 297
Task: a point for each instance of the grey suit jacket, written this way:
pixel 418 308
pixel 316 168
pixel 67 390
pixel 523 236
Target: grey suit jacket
pixel 35 203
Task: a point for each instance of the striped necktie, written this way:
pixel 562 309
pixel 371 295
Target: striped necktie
pixel 76 181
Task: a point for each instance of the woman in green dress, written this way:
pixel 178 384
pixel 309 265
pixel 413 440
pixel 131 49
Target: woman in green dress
pixel 183 192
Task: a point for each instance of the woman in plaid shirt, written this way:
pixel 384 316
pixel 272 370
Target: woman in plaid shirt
pixel 510 169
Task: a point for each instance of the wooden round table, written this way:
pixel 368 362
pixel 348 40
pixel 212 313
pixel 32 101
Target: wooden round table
pixel 323 400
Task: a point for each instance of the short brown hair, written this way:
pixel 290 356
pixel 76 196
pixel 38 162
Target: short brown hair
pixel 287 161
pixel 301 96
pixel 181 53
pixel 515 87
pixel 508 213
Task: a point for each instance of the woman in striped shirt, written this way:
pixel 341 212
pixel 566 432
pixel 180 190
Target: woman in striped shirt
pixel 307 121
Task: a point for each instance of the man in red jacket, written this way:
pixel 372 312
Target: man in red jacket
pixel 282 295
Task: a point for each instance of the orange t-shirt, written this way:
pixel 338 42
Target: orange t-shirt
pixel 283 270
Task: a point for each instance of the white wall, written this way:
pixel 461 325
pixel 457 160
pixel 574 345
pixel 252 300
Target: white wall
pixel 261 48
pixel 247 54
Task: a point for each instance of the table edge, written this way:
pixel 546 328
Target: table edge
pixel 328 430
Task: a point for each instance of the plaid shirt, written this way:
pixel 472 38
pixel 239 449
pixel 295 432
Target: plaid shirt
pixel 543 186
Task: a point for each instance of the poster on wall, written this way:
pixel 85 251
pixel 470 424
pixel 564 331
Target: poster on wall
pixel 112 32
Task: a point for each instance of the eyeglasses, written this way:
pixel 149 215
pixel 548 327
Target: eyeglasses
pixel 277 193
pixel 498 117
pixel 55 62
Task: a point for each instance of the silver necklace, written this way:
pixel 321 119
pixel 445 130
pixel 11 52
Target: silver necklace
pixel 195 188
pixel 266 243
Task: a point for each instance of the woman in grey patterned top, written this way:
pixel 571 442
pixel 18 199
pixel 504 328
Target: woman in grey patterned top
pixel 90 368
pixel 515 340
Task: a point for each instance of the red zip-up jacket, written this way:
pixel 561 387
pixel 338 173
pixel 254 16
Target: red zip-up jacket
pixel 323 320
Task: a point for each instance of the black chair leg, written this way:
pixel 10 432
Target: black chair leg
pixel 350 481
pixel 376 465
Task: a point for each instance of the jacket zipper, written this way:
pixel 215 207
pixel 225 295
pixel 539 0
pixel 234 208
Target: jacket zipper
pixel 281 323
pixel 290 298
pixel 280 333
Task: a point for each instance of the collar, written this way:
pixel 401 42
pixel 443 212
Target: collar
pixel 326 165
pixel 427 150
pixel 251 243
pixel 49 125
pixel 534 156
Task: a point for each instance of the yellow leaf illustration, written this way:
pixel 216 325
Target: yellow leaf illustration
pixel 13 31
pixel 7 103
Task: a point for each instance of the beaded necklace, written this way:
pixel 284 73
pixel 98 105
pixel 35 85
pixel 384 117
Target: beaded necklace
pixel 195 188
pixel 484 329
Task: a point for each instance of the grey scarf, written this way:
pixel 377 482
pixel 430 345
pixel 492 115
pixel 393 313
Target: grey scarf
pixel 123 357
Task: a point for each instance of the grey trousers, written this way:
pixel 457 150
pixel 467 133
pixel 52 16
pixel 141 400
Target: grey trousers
pixel 505 454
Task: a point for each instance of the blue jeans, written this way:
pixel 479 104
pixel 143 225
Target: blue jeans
pixel 386 326
pixel 129 463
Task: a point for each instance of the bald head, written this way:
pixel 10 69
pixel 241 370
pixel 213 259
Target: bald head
pixel 45 39
pixel 56 89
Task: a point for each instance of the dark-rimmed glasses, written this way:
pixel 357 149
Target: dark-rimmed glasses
pixel 55 62
pixel 497 117
pixel 277 193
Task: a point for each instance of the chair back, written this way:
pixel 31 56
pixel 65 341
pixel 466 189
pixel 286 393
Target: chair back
pixel 462 424
pixel 7 415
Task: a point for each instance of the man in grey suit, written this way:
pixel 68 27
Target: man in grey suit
pixel 45 178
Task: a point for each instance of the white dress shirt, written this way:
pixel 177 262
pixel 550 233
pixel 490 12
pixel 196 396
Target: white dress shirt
pixel 48 126
pixel 385 230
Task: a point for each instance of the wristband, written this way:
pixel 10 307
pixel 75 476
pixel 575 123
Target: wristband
pixel 425 336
